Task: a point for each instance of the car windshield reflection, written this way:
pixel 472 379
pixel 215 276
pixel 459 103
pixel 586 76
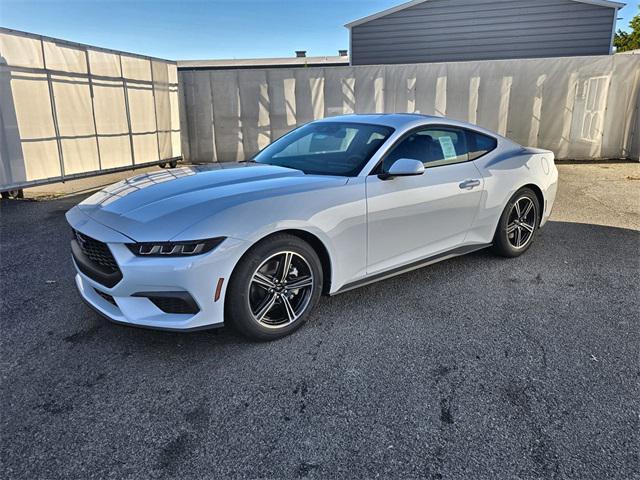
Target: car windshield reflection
pixel 326 148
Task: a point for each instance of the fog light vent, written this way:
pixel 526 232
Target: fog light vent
pixel 106 296
pixel 172 302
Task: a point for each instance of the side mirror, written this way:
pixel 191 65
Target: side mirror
pixel 404 167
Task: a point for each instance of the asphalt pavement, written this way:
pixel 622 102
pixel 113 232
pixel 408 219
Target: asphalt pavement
pixel 475 368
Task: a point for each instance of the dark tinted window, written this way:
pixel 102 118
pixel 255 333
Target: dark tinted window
pixel 479 144
pixel 434 147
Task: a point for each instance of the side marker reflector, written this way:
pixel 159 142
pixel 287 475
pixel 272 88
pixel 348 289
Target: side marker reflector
pixel 218 289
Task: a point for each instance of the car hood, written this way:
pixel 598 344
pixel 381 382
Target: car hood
pixel 158 206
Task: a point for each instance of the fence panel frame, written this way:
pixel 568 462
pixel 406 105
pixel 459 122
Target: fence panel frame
pixel 10 182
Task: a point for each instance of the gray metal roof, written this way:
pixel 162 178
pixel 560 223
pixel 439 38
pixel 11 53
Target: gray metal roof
pixel 291 62
pixel 397 8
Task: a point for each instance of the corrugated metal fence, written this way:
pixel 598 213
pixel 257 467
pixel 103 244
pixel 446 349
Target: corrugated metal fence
pixel 579 107
pixel 69 110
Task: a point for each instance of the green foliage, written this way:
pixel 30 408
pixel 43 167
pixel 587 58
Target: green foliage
pixel 629 41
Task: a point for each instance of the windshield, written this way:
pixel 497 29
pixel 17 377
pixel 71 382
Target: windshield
pixel 325 148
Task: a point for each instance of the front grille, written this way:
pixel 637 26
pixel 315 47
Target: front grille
pixel 173 305
pixel 97 252
pixel 106 296
pixel 94 259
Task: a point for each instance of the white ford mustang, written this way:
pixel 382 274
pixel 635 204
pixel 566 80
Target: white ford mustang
pixel 333 205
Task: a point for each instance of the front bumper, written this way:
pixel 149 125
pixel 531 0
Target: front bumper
pixel 197 276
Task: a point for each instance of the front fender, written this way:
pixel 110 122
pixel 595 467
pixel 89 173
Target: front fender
pixel 336 217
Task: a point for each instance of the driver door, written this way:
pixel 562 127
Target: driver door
pixel 413 218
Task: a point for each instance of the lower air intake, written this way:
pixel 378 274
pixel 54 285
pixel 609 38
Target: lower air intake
pixel 172 302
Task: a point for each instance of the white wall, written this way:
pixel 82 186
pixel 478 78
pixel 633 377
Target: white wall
pixel 579 107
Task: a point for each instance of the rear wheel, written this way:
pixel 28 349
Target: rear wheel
pixel 518 224
pixel 274 287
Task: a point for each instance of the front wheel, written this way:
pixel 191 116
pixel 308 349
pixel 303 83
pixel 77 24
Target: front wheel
pixel 518 224
pixel 274 287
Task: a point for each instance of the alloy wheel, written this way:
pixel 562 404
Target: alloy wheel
pixel 280 289
pixel 522 222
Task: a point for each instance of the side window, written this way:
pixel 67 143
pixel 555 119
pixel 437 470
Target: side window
pixel 480 144
pixel 432 146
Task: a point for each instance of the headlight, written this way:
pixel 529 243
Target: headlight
pixel 174 249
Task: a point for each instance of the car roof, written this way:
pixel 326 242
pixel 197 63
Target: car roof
pixel 400 121
pixel 395 120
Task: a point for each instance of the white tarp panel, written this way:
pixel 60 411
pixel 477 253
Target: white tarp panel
pixel 579 107
pixel 254 104
pixel 135 68
pixel 64 58
pixel 21 51
pixel 73 110
pixel 29 149
pixel 75 124
pixel 104 64
pixel 282 101
pixel 224 121
pixel 111 122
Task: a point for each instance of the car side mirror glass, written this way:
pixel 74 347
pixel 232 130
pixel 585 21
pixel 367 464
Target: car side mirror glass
pixel 404 167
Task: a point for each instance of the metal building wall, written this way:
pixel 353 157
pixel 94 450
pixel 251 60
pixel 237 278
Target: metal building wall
pixel 579 107
pixel 466 30
pixel 69 110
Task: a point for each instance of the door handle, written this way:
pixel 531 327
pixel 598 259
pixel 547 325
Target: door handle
pixel 469 184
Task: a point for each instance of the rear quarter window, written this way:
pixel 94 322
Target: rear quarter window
pixel 479 144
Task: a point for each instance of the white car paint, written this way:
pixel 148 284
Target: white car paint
pixel 367 226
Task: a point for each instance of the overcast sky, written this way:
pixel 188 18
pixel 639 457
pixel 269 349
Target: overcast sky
pixel 198 29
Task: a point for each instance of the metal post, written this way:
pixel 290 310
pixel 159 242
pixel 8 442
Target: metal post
pixel 54 115
pixel 5 161
pixel 155 109
pixel 126 107
pixel 93 107
pixel 213 117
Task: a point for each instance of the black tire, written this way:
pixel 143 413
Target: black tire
pixel 243 297
pixel 13 194
pixel 162 165
pixel 506 238
pixel 173 164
